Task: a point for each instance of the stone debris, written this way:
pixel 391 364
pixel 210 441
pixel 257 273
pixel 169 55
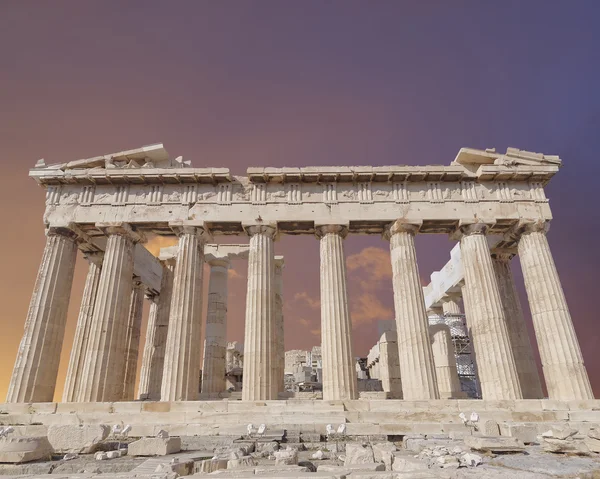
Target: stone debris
pixel 471 460
pixel 286 457
pixel 211 465
pixel 162 434
pixel 564 440
pixel 70 456
pixel 561 433
pixel 494 444
pixel 408 464
pixel 592 441
pixel 100 456
pixel 384 452
pixel 245 461
pixel 154 446
pixel 319 455
pixel 358 454
pixel 490 428
pixel 24 449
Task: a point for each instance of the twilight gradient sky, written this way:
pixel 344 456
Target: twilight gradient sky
pixel 280 83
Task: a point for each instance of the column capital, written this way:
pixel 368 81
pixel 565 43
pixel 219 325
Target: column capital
pixel 187 228
pixel 503 254
pixel 121 229
pixel 525 226
pixel 137 282
pixel 259 228
pixel 471 227
pixel 322 230
pixel 401 226
pixel 279 262
pixel 95 257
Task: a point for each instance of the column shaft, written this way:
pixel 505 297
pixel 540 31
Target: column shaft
pixel 258 343
pixel 445 362
pixel 529 379
pixel 562 361
pixel 132 342
pixel 181 371
pixel 339 370
pixel 36 367
pixel 495 361
pixel 279 369
pixel 82 332
pixel 414 346
pixel 104 365
pixel 450 306
pixel 213 369
pixel 156 339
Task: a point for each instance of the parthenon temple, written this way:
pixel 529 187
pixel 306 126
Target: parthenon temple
pixel 108 206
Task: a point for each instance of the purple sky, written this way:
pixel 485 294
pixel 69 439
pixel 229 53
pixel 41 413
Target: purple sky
pixel 276 83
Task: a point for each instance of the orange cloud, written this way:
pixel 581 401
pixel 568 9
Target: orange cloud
pixel 316 332
pixel 367 308
pixel 374 263
pixel 155 243
pixel 233 274
pixel 306 299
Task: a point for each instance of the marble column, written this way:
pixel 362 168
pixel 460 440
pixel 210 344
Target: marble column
pixel 82 331
pixel 258 381
pixel 445 362
pixel 339 373
pixel 279 369
pixel 495 361
pixel 412 324
pixel 213 370
pixel 562 362
pixel 181 371
pixel 529 379
pixel 451 306
pixel 156 337
pixel 104 364
pixel 132 342
pixel 389 363
pixel 36 367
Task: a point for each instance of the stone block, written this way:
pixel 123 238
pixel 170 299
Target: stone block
pixel 526 433
pixel 408 464
pixel 494 444
pixel 286 457
pixel 154 446
pixel 245 461
pixel 24 449
pixel 82 439
pixel 384 452
pixel 358 454
pixel 210 465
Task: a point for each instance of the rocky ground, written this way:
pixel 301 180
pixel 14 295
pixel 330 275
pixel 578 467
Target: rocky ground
pixel 559 453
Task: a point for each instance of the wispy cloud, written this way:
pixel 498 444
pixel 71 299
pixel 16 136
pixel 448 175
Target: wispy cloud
pixel 306 299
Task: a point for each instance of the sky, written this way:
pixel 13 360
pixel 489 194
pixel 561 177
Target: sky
pixel 270 83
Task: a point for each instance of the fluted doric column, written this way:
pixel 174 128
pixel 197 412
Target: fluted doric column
pixel 412 325
pixel 451 306
pixel 279 369
pixel 132 342
pixel 156 337
pixel 181 370
pixel 105 356
pixel 82 330
pixel 339 370
pixel 529 379
pixel 495 361
pixel 259 350
pixel 562 361
pixel 215 344
pixel 445 362
pixel 36 367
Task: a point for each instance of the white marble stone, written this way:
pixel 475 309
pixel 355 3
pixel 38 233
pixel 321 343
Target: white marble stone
pixel 562 361
pixel 414 346
pixel 82 331
pixel 339 377
pixel 36 368
pixel 156 337
pixel 104 364
pixel 529 378
pixel 495 361
pixel 181 370
pixel 132 341
pixel 278 330
pixel 259 349
pixel 215 344
pixel 445 362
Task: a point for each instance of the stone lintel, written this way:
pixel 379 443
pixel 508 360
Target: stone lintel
pixel 124 229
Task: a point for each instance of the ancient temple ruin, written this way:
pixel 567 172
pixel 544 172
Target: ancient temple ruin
pixel 492 203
